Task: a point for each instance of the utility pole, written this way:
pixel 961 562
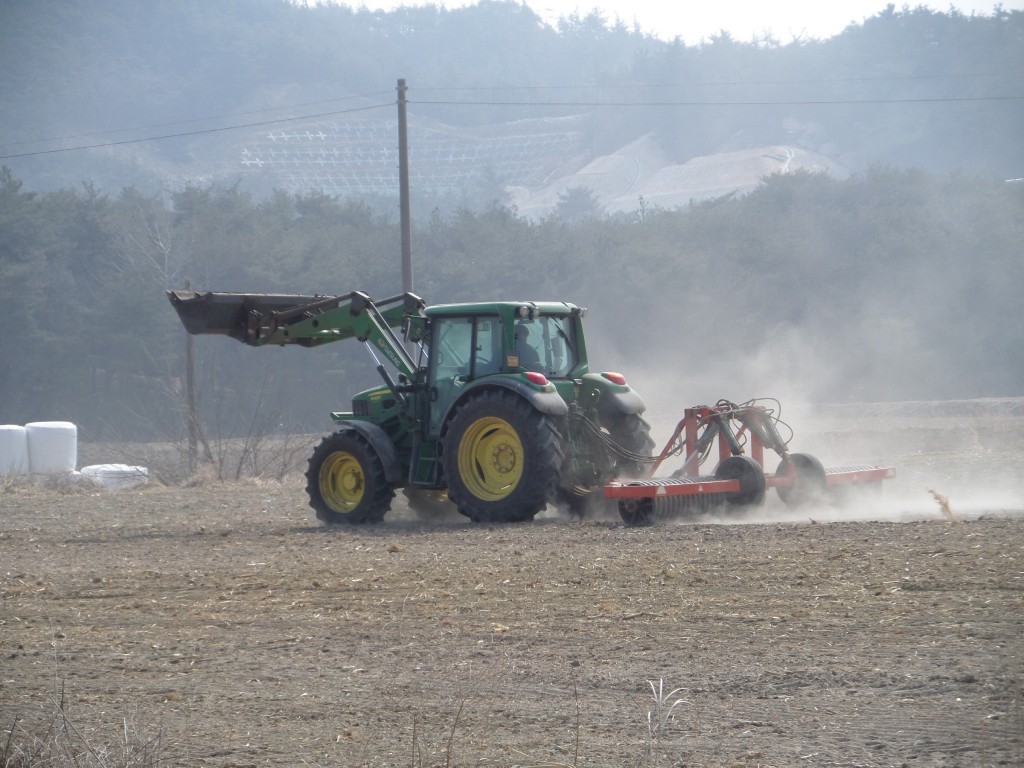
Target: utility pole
pixel 191 400
pixel 403 190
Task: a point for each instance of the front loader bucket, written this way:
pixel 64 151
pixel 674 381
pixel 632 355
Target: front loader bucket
pixel 288 318
pixel 231 314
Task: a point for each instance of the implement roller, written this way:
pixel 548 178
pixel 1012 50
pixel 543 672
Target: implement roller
pixel 739 480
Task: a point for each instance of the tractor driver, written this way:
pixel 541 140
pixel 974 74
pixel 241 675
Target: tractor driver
pixel 528 356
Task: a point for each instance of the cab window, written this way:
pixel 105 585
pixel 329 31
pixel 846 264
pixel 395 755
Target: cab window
pixel 467 347
pixel 546 344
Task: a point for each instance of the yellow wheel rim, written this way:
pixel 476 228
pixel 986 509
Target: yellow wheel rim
pixel 490 458
pixel 342 481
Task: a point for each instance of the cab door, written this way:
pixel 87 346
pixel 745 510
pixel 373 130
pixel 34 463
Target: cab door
pixel 462 349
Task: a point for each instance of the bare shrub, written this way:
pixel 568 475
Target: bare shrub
pixel 63 743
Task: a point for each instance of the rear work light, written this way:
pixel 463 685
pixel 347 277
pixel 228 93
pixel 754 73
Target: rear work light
pixel 615 378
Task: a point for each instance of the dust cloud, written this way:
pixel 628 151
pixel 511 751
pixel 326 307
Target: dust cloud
pixel 969 451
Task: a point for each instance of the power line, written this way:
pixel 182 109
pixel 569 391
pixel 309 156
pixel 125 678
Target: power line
pixel 195 133
pixel 507 88
pixel 491 89
pixel 719 83
pixel 559 104
pixel 747 103
pixel 376 94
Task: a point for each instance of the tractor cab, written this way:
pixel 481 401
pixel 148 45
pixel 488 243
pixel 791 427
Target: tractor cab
pixel 516 345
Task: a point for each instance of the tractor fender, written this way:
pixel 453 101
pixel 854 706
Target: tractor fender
pixel 382 444
pixel 613 399
pixel 550 403
pixel 621 403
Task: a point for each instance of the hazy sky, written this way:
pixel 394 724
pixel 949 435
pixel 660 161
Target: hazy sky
pixel 742 18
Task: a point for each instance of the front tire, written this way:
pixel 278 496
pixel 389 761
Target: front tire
pixel 345 481
pixel 502 458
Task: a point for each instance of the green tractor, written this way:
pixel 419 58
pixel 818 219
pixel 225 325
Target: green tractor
pixel 493 402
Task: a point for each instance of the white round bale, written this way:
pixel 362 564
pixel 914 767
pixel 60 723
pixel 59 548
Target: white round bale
pixel 13 450
pixel 52 447
pixel 114 477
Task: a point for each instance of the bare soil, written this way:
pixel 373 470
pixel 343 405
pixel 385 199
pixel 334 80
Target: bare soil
pixel 222 626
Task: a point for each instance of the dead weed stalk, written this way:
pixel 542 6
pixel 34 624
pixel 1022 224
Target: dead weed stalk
pixel 943 503
pixel 658 717
pixel 62 743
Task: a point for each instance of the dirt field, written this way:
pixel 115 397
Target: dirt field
pixel 221 626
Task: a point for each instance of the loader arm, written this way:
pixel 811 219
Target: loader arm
pixel 259 319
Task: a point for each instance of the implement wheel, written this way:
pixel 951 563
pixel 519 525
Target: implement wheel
pixel 751 477
pixel 637 512
pixel 345 481
pixel 502 458
pixel 808 479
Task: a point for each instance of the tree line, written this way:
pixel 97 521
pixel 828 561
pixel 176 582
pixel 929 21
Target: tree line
pixel 908 87
pixel 889 285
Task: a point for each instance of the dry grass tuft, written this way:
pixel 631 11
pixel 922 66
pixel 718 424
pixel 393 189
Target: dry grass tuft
pixel 659 716
pixel 14 484
pixel 206 474
pixel 68 483
pixel 943 503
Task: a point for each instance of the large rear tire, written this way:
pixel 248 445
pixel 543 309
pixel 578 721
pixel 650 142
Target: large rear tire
pixel 632 434
pixel 345 481
pixel 502 458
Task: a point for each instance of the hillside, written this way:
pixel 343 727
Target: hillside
pixel 640 171
pixel 535 161
pixel 503 107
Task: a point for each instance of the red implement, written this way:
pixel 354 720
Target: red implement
pixel 739 479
